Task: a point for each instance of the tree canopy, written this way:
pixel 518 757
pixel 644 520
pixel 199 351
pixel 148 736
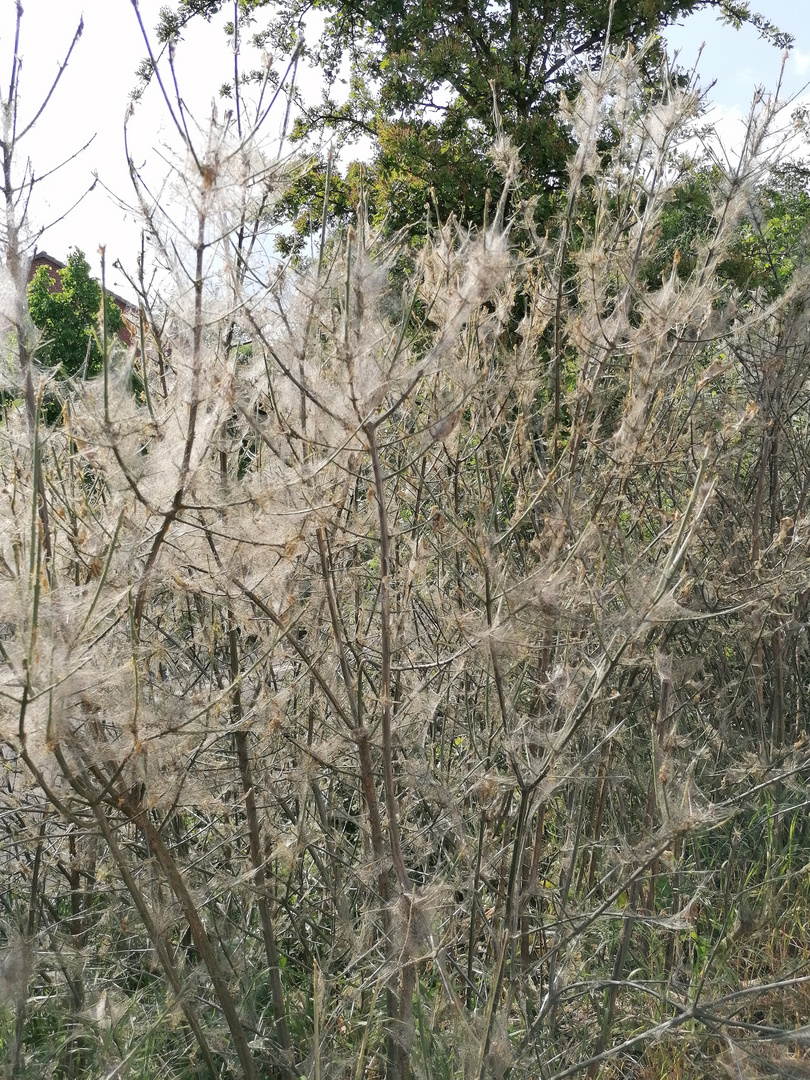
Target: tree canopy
pixel 68 318
pixel 426 79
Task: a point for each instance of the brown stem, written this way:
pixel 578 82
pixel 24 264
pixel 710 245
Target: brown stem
pixel 268 932
pixel 337 627
pixel 757 513
pixel 201 940
pixel 385 666
pixel 16 270
pixel 155 936
pixel 618 967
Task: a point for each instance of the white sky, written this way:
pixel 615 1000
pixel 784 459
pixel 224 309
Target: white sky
pixel 94 94
pixel 92 98
pixel 739 61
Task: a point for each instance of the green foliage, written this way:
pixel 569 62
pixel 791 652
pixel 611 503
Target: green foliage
pixel 302 205
pixel 771 243
pixel 424 79
pixel 686 222
pixel 68 319
pixel 439 67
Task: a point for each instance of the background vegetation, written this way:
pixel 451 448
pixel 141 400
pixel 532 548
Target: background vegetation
pixel 422 80
pixel 67 317
pixel 404 650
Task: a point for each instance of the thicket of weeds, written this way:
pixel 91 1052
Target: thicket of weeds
pixel 404 654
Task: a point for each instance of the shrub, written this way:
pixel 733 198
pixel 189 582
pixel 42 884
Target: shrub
pixel 422 690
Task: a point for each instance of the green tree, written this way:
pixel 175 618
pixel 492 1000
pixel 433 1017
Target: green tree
pixel 771 243
pixel 425 76
pixel 68 319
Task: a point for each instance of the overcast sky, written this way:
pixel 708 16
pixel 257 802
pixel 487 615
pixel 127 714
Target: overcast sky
pixel 94 93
